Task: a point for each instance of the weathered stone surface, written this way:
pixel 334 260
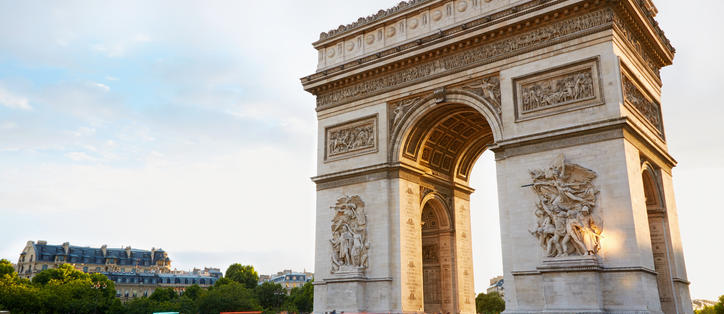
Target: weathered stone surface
pixel 567 95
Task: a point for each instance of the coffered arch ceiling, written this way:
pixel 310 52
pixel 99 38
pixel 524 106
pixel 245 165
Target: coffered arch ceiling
pixel 448 140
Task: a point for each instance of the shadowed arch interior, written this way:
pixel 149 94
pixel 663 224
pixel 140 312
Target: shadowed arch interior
pixel 448 140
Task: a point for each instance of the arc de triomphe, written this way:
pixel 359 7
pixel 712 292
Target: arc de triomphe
pixel 566 93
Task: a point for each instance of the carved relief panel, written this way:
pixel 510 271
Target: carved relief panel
pixel 351 139
pixel 349 236
pixel 641 103
pixel 567 217
pixel 558 90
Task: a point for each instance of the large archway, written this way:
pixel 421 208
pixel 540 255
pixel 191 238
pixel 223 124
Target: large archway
pixel 439 146
pixel 567 96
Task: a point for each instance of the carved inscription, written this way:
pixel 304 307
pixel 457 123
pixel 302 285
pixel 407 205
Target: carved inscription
pixel 482 54
pixel 349 236
pixel 647 108
pixel 352 139
pixel 567 223
pixel 558 90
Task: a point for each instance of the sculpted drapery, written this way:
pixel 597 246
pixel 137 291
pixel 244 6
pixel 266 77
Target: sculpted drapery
pixel 566 220
pixel 349 235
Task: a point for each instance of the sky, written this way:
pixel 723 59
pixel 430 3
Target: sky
pixel 183 125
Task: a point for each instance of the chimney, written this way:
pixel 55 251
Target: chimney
pixel 153 254
pixel 104 250
pixel 66 247
pixel 128 251
pixel 41 242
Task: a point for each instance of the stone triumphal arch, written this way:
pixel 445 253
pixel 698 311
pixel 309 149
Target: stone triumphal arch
pixel 566 93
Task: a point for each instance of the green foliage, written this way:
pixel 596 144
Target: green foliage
pixel 490 303
pixel 223 281
pixel 717 308
pixel 271 296
pixel 301 299
pixel 67 290
pixel 60 290
pixel 193 292
pixel 6 268
pixel 65 273
pixel 163 294
pixel 243 274
pixel 231 297
pixel 147 305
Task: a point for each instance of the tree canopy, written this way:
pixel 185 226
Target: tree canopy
pixel 490 303
pixel 717 308
pixel 59 290
pixel 243 274
pixel 65 289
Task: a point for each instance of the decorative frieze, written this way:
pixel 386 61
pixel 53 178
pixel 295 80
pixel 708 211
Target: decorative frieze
pixel 559 89
pixel 647 108
pixel 478 55
pixel 351 139
pixel 487 88
pixel 567 223
pixel 635 42
pixel 349 236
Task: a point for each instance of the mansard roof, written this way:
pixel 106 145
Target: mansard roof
pixel 89 255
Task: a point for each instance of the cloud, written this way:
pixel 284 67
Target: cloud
pixel 101 86
pixel 80 156
pixel 13 101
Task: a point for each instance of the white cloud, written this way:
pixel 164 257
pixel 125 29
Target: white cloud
pixel 111 78
pixel 84 131
pixel 101 86
pixel 13 101
pixel 80 156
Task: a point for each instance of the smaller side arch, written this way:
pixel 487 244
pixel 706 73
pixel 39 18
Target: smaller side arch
pixel 652 188
pixel 439 206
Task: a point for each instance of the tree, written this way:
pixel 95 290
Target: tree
pixel 193 292
pixel 63 274
pixel 490 303
pixel 222 281
pixel 243 274
pixel 6 268
pixel 271 295
pixel 163 294
pixel 717 308
pixel 230 297
pixel 301 299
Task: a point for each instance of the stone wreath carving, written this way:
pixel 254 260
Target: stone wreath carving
pixel 349 236
pixel 567 223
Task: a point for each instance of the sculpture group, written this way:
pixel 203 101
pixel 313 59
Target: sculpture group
pixel 349 235
pixel 566 224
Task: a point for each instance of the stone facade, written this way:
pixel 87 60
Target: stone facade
pixel 38 256
pixel 566 93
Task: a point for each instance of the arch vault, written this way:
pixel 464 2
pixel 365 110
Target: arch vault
pixel 566 93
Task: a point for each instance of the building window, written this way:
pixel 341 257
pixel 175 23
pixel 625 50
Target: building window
pixel 98 269
pixel 85 269
pixel 45 267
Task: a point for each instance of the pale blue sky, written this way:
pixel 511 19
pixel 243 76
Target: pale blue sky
pixel 183 125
